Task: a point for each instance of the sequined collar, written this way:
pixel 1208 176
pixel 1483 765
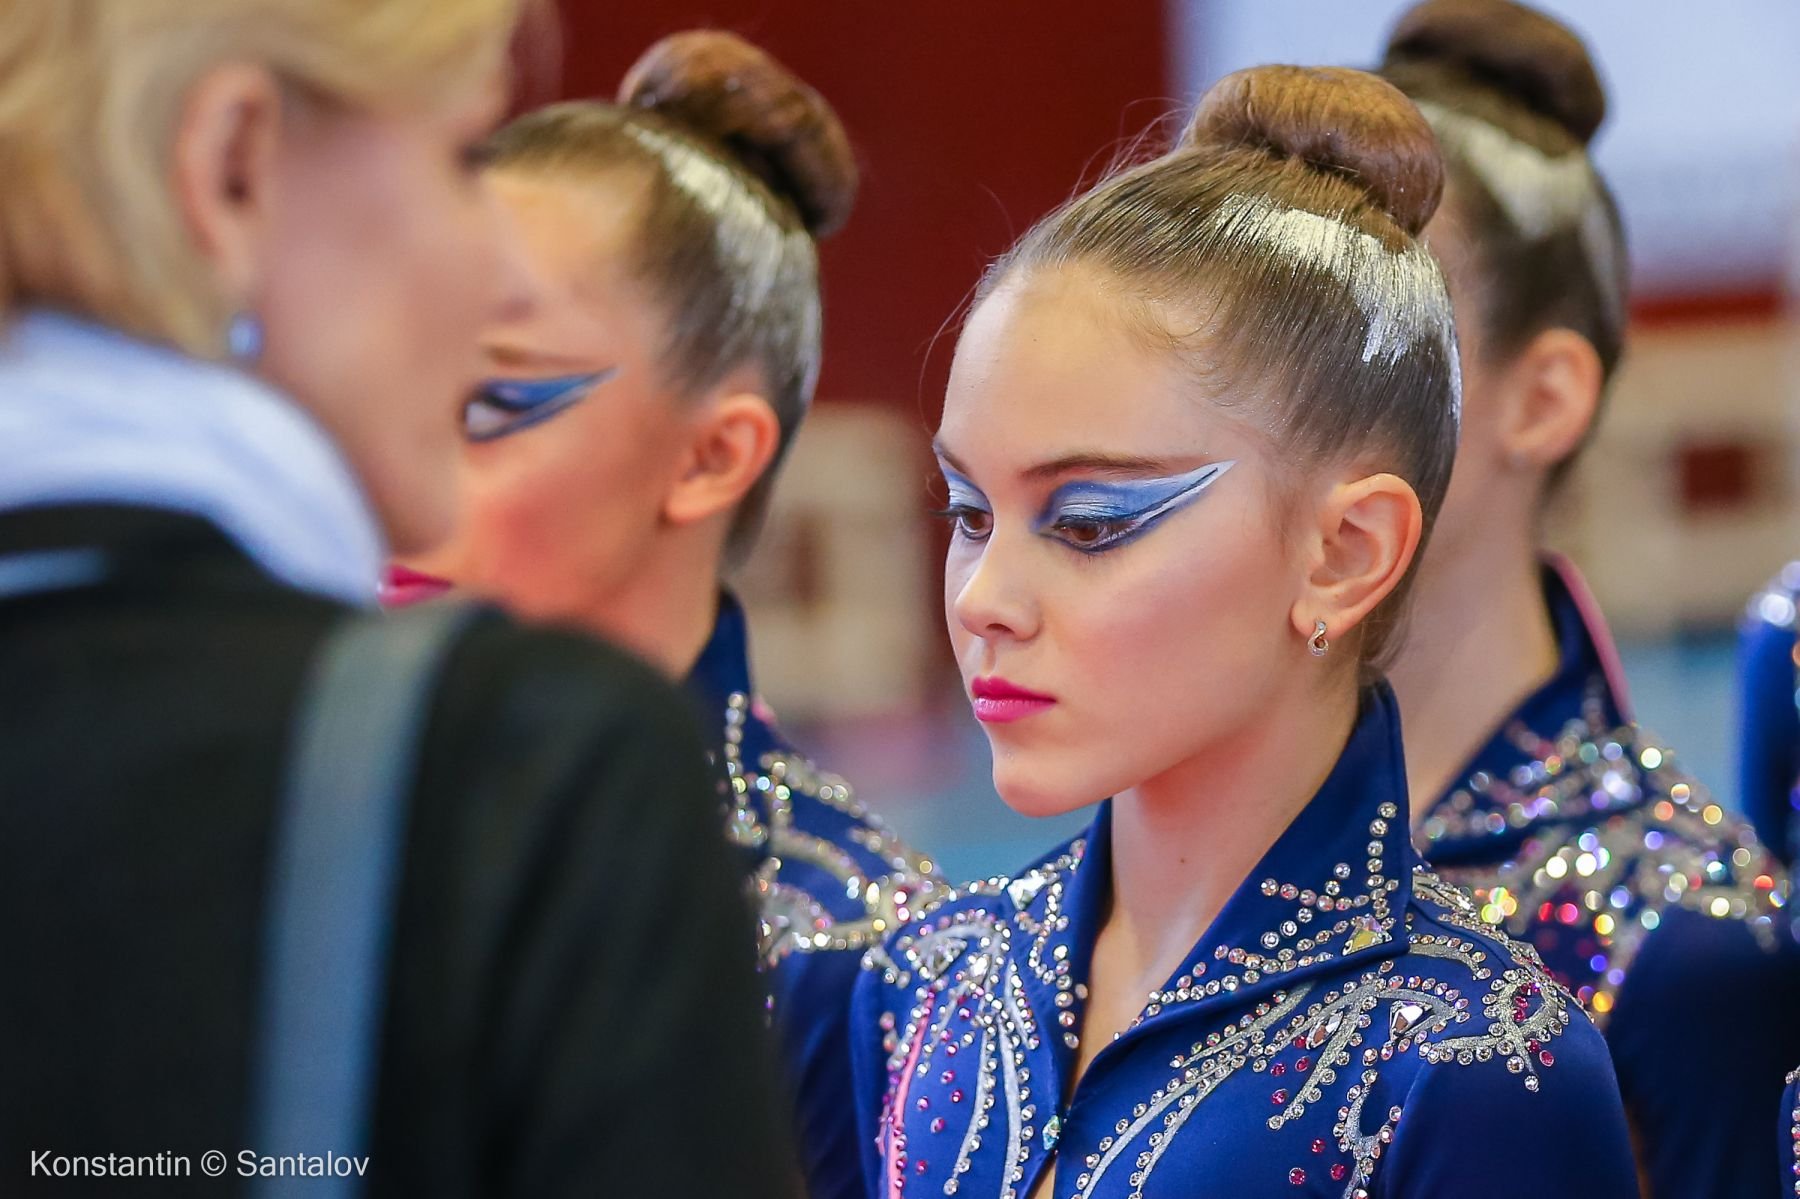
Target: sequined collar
pixel 1333 887
pixel 723 669
pixel 720 683
pixel 1499 797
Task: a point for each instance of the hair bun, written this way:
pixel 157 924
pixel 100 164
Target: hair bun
pixel 783 131
pixel 1334 119
pixel 1526 55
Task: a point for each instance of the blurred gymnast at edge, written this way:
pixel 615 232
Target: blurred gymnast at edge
pixel 241 243
pixel 1576 830
pixel 623 453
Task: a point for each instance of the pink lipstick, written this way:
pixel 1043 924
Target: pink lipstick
pixel 404 587
pixel 1000 702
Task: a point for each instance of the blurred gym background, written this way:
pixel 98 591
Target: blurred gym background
pixel 971 119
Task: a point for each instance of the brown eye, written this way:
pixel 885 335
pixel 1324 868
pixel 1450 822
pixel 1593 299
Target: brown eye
pixel 1093 536
pixel 973 523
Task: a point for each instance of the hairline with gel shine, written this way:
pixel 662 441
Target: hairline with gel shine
pixel 745 234
pixel 1540 194
pixel 1400 293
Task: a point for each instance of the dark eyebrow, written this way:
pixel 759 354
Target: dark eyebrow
pixel 1099 464
pixel 509 357
pixel 1085 463
pixel 937 448
pixel 1091 463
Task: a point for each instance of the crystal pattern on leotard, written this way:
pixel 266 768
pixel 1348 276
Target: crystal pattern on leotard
pixel 1341 973
pixel 1615 835
pixel 780 806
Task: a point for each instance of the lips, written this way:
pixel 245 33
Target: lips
pixel 997 701
pixel 403 587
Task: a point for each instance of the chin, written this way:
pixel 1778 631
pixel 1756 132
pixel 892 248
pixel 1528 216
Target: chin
pixel 1030 789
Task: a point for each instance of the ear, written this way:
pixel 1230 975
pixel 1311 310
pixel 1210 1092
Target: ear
pixel 1367 533
pixel 733 439
pixel 226 145
pixel 1550 393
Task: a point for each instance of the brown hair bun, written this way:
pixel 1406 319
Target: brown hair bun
pixel 1334 119
pixel 720 86
pixel 1520 52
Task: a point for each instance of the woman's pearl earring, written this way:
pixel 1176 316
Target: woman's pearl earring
pixel 244 338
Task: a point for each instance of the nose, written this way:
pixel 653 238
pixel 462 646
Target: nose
pixel 991 599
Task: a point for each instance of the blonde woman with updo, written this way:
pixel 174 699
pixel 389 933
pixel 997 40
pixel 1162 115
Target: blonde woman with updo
pixel 287 892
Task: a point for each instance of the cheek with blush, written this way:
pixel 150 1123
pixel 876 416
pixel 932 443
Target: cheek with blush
pixel 559 517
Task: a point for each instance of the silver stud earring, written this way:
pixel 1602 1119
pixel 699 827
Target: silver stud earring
pixel 1319 646
pixel 244 338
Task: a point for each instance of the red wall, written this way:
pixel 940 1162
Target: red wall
pixel 971 118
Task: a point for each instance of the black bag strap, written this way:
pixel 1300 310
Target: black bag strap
pixel 339 849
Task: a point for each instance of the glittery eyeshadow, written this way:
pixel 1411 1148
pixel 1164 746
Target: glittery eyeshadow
pixel 1129 508
pixel 506 406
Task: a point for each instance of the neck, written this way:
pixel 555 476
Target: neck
pixel 1183 842
pixel 666 611
pixel 1480 642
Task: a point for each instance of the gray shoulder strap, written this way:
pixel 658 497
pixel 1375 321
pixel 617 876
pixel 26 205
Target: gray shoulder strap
pixel 338 853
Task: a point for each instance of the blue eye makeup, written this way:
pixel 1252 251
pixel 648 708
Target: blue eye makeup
pixel 502 407
pixel 968 511
pixel 1092 517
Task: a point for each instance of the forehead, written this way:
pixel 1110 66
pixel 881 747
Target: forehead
pixel 577 232
pixel 577 229
pixel 1051 364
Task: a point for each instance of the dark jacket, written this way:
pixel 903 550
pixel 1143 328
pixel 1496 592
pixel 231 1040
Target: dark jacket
pixel 571 973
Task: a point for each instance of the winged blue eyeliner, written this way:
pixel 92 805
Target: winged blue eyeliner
pixel 1128 507
pixel 1121 511
pixel 506 406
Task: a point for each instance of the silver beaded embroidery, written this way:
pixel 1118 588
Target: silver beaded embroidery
pixel 1794 1130
pixel 962 971
pixel 761 817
